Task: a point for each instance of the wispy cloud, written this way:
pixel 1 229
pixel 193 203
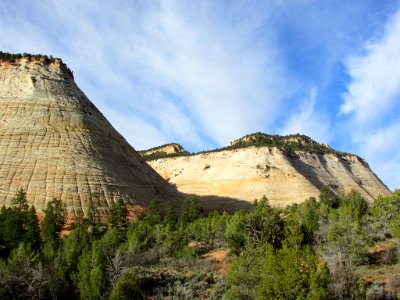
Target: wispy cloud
pixel 306 119
pixel 375 85
pixel 372 99
pixel 214 70
pixel 203 73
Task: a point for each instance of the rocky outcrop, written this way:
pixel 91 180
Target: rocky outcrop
pixel 283 176
pixel 55 143
pixel 167 150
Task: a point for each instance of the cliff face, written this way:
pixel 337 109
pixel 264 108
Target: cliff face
pixel 285 177
pixel 55 143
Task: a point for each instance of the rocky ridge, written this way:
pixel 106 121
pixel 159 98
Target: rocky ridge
pixel 167 150
pixel 55 143
pixel 286 169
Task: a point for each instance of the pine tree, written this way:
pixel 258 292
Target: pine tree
pixel 118 216
pixel 154 213
pixel 170 217
pixel 19 202
pixel 93 215
pixel 32 235
pixel 53 221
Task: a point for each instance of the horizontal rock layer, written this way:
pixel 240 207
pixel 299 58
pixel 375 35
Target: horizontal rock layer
pixel 55 143
pixel 283 177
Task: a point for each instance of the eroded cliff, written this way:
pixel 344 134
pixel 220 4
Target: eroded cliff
pixel 283 175
pixel 55 143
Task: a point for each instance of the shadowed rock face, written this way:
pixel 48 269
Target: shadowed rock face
pixel 55 143
pixel 284 177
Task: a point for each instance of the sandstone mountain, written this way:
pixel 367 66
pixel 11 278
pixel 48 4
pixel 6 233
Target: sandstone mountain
pixel 286 169
pixel 167 150
pixel 55 143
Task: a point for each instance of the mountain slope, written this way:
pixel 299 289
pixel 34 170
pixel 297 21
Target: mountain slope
pixel 289 172
pixel 55 143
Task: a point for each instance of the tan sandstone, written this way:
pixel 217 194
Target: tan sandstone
pixel 55 143
pixel 250 173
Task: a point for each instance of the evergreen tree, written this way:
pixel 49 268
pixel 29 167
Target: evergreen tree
pixel 53 221
pixel 12 229
pixel 118 216
pixel 19 202
pixel 191 210
pixel 293 272
pixel 170 217
pixel 93 216
pixel 154 212
pixel 328 198
pixel 32 235
pixel 126 287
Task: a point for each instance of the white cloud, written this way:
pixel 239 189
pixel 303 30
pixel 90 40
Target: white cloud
pixel 372 99
pixel 228 86
pixel 382 150
pixel 215 74
pixel 375 85
pixel 306 119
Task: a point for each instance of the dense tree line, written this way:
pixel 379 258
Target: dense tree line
pixel 288 143
pixel 305 251
pixel 161 154
pixel 12 57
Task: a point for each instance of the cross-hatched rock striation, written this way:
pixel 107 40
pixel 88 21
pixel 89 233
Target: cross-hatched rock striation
pixel 55 143
pixel 288 173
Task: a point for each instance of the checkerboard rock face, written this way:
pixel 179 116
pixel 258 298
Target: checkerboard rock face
pixel 55 143
pixel 251 173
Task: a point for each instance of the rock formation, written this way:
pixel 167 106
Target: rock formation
pixel 285 169
pixel 55 143
pixel 168 150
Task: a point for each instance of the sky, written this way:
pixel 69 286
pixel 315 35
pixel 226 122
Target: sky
pixel 203 73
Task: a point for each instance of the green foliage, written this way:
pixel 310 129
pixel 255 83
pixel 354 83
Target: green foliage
pixel 158 255
pixel 386 215
pixel 74 244
pixel 93 216
pixel 208 231
pixel 346 235
pixel 190 210
pixel 170 218
pixel 4 56
pixel 32 231
pixel 53 221
pixel 307 214
pixel 290 143
pixel 157 152
pixel 328 197
pixel 161 154
pixel 154 213
pixel 12 230
pixel 244 275
pixel 118 218
pixel 356 201
pixel 126 287
pixel 261 225
pixel 140 236
pixel 19 202
pixel 19 223
pixel 89 277
pixel 292 272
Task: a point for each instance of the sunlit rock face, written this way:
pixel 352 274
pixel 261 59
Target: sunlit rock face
pixel 284 177
pixel 55 143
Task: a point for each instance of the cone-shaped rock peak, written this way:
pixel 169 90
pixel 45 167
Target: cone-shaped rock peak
pixel 55 143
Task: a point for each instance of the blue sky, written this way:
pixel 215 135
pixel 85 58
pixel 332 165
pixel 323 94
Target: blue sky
pixel 203 73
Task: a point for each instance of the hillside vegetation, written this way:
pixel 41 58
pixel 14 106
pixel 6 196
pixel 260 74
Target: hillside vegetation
pixel 325 249
pixel 159 152
pixel 290 143
pixel 12 57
